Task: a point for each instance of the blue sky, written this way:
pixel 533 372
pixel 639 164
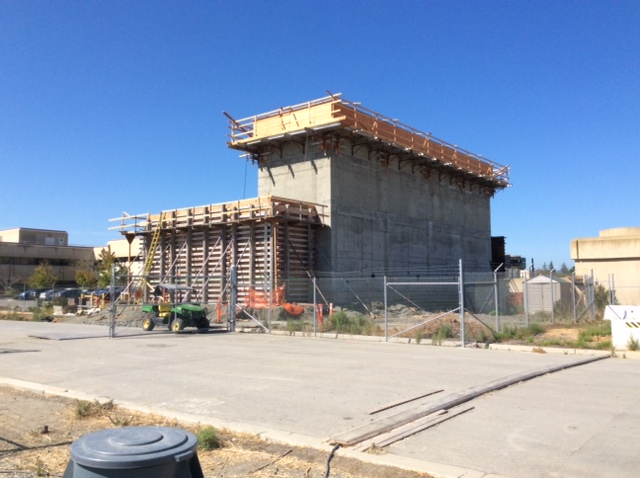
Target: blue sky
pixel 112 106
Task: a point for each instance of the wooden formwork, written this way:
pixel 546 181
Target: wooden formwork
pixel 269 240
pixel 334 112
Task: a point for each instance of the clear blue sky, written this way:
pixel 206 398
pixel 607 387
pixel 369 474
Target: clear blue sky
pixel 112 106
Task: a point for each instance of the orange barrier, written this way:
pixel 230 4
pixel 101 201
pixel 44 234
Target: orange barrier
pixel 293 309
pixel 260 300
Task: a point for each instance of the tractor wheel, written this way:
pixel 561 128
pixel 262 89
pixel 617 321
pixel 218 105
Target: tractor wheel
pixel 148 324
pixel 177 325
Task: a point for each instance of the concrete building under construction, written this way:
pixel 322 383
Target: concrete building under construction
pixel 342 190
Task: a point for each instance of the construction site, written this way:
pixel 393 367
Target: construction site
pixel 342 191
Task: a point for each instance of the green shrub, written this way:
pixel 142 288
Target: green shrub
pixel 294 325
pixel 419 336
pixel 633 344
pixel 208 439
pixel 443 331
pixel 355 325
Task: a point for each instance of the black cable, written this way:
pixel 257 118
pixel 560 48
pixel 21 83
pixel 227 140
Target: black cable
pixel 333 450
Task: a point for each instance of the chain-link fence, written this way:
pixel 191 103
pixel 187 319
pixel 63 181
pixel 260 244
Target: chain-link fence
pixel 424 305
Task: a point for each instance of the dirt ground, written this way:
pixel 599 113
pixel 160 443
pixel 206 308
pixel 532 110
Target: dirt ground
pixel 37 430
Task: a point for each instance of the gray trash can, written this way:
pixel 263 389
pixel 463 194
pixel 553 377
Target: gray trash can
pixel 136 452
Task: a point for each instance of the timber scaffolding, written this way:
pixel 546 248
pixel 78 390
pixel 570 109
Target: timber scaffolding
pixel 261 135
pixel 268 239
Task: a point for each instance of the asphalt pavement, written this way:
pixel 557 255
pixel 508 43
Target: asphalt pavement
pixel 577 422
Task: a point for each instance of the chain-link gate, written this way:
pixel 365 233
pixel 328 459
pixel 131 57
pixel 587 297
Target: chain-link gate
pixel 432 306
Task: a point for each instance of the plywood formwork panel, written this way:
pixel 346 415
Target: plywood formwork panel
pixel 198 246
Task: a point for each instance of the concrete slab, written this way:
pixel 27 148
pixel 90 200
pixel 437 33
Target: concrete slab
pixel 578 422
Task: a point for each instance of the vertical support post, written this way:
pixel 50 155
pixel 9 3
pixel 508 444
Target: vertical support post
pixel 461 303
pixel 593 296
pixel 612 289
pixel 573 294
pixel 525 289
pixel 233 299
pixel 315 317
pixel 495 285
pixel 553 297
pixel 112 325
pixel 386 307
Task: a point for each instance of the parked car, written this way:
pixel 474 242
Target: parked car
pixel 106 292
pixel 31 294
pixel 27 295
pixel 46 295
pixel 69 293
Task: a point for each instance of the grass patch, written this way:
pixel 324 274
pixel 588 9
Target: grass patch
pixel 87 409
pixel 595 331
pixel 294 325
pixel 354 325
pixel 633 344
pixel 527 333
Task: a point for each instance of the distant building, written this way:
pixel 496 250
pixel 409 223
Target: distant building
pixel 23 249
pixel 614 258
pixel 35 237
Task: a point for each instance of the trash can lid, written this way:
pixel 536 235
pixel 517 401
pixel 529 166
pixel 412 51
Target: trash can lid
pixel 133 447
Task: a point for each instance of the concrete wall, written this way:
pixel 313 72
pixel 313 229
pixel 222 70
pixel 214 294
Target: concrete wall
pixel 614 255
pixel 382 218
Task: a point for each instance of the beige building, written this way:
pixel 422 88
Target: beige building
pixel 614 258
pixel 129 254
pixel 23 249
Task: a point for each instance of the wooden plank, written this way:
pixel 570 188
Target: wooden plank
pixel 417 427
pixel 402 402
pixel 378 439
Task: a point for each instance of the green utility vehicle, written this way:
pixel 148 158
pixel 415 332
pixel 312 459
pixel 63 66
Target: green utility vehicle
pixel 174 312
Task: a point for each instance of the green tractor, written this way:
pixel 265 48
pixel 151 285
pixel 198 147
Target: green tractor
pixel 175 314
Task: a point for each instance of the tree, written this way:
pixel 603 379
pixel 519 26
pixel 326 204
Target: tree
pixel 86 275
pixel 550 265
pixel 107 260
pixel 564 270
pixel 43 276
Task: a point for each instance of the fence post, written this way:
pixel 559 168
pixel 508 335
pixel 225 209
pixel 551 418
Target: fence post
pixel 593 296
pixel 386 321
pixel 612 289
pixel 270 291
pixel 315 318
pixel 495 285
pixel 232 299
pixel 112 326
pixel 573 291
pixel 525 289
pixel 461 302
pixel 553 297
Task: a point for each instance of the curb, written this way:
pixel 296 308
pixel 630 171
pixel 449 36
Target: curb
pixel 437 470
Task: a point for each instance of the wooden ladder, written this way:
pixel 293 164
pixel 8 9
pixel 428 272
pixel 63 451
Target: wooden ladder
pixel 148 263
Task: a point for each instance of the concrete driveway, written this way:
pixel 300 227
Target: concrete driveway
pixel 582 421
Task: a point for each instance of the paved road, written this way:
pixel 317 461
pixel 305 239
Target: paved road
pixel 582 421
